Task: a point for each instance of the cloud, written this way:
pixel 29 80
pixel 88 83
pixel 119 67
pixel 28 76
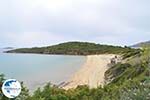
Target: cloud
pixel 31 38
pixel 103 21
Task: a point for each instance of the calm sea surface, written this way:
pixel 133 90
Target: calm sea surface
pixel 35 70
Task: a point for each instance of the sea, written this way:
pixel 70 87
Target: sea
pixel 36 70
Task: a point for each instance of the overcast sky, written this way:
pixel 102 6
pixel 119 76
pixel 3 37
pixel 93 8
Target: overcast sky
pixel 26 23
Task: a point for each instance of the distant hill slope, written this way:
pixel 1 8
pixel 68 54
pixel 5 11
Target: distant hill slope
pixel 8 48
pixel 76 48
pixel 147 43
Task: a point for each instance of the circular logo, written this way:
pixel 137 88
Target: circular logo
pixel 11 88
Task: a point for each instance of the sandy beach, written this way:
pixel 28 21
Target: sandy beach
pixel 91 73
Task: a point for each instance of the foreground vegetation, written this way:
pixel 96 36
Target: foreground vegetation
pixel 129 80
pixel 78 48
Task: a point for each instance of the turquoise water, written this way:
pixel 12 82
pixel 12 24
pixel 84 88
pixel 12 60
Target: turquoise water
pixel 36 70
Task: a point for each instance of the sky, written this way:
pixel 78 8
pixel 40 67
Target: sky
pixel 30 23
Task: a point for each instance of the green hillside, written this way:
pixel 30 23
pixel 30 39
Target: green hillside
pixel 77 48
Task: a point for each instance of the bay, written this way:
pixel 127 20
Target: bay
pixel 36 70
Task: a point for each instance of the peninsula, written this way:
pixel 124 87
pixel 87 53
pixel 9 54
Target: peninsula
pixel 79 48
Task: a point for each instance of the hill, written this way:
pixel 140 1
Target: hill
pixel 141 44
pixel 8 48
pixel 77 48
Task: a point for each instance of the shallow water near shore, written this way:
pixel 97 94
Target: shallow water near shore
pixel 35 70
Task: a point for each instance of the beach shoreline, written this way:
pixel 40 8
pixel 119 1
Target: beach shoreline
pixel 91 73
